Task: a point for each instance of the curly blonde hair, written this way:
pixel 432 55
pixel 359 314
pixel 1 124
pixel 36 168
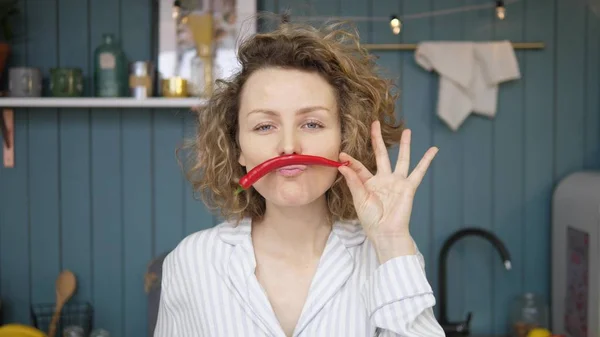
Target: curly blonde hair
pixel 362 96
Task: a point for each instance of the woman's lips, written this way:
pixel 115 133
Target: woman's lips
pixel 291 170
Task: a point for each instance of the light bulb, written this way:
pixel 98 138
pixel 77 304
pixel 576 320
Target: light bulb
pixel 500 10
pixel 176 9
pixel 395 24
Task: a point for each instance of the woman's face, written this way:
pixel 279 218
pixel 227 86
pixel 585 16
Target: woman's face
pixel 285 111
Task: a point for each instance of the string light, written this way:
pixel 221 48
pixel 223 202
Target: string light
pixel 500 10
pixel 176 9
pixel 406 17
pixel 395 24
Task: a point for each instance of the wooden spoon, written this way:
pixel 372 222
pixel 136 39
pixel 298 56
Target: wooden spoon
pixel 65 287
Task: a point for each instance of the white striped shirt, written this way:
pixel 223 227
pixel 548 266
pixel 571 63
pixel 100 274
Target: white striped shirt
pixel 209 289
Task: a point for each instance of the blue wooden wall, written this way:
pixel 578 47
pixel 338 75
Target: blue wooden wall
pixel 100 192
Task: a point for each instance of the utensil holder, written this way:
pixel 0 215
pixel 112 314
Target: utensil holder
pixel 73 313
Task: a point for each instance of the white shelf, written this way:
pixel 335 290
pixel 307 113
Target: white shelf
pixel 97 102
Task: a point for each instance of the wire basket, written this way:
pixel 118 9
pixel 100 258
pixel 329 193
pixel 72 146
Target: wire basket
pixel 72 314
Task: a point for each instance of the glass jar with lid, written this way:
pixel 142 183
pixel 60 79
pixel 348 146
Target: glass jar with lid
pixel 528 311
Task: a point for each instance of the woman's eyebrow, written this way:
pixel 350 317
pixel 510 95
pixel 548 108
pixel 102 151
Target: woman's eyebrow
pixel 301 111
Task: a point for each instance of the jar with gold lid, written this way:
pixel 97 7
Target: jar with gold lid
pixel 528 311
pixel 141 79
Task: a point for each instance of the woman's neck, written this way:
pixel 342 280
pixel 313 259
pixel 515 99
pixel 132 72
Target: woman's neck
pixel 293 230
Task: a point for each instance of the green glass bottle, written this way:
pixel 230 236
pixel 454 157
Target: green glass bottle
pixel 110 69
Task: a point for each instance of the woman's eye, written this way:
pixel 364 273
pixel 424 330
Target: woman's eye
pixel 264 127
pixel 313 125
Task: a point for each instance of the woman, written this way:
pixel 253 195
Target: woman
pixel 308 250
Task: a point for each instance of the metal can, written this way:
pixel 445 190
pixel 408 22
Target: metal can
pixel 73 331
pixel 141 79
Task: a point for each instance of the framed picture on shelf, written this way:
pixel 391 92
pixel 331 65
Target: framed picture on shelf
pixel 197 42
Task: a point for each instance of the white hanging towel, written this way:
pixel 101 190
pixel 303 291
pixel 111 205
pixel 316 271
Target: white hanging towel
pixel 470 73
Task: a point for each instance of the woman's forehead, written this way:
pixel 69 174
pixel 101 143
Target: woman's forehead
pixel 278 89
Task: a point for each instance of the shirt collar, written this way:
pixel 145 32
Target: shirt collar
pixel 234 232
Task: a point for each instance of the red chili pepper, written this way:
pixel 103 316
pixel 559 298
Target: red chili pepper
pixel 282 161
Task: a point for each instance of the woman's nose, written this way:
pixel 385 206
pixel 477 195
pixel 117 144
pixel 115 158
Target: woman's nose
pixel 289 143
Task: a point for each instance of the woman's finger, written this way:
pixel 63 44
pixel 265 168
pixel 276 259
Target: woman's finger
pixel 357 188
pixel 419 172
pixel 363 173
pixel 403 162
pixel 381 155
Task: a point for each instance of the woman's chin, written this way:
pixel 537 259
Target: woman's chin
pixel 291 194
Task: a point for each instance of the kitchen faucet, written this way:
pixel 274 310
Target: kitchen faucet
pixel 462 328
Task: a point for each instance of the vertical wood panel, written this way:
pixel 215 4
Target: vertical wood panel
pixel 107 175
pixel 75 164
pixel 508 175
pixel 539 134
pixel 168 180
pixel 137 176
pixel 479 255
pixel 107 210
pixel 137 217
pixel 418 111
pixel 591 150
pixel 447 174
pixel 15 255
pixel 44 203
pixel 15 280
pixel 196 215
pixel 570 87
pixel 43 158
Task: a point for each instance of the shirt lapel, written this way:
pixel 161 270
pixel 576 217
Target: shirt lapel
pixel 335 268
pixel 241 280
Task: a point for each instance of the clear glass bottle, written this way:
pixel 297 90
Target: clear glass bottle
pixel 528 311
pixel 99 333
pixel 197 77
pixel 73 331
pixel 110 69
